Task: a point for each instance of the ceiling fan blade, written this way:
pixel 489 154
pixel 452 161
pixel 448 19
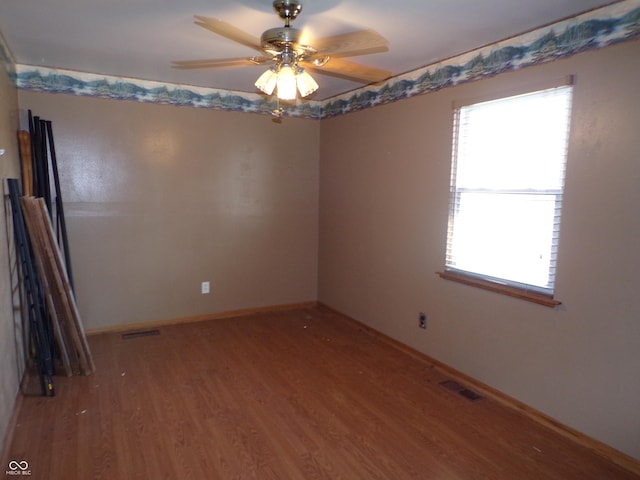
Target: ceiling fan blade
pixel 338 67
pixel 228 31
pixel 362 42
pixel 219 62
pixel 352 53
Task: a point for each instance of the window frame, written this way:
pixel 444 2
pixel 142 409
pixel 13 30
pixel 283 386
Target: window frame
pixel 532 293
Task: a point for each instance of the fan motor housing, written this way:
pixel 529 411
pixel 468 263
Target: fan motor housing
pixel 276 39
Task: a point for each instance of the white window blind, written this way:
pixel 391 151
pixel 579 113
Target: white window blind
pixel 507 180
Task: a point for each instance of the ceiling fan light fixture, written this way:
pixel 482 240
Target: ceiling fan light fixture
pixel 306 84
pixel 286 83
pixel 267 81
pixel 286 48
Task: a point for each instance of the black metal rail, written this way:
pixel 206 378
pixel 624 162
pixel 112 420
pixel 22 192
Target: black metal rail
pixel 40 336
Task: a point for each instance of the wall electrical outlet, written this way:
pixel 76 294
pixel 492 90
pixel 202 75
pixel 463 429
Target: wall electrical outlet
pixel 422 320
pixel 204 288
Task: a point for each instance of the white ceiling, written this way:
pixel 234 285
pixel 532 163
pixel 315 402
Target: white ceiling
pixel 140 38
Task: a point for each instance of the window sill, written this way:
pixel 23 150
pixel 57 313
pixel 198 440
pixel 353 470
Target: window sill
pixel 516 292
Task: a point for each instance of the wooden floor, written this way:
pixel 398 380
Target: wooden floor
pixel 302 394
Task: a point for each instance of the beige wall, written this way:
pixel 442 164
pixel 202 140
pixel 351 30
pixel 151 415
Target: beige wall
pixel 384 178
pixel 160 198
pixel 10 343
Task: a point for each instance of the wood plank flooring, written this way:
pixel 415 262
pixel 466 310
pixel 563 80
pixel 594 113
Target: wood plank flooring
pixel 303 394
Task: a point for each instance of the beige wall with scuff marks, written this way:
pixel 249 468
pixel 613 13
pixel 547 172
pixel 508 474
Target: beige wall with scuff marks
pixel 384 178
pixel 161 198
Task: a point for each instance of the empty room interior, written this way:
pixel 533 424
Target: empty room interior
pixel 277 287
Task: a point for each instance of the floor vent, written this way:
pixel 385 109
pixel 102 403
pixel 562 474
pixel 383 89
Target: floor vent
pixel 461 390
pixel 141 333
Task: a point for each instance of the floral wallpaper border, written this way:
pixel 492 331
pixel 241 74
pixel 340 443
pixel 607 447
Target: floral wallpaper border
pixel 54 80
pixel 608 25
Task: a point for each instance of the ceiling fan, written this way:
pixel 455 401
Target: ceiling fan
pixel 285 50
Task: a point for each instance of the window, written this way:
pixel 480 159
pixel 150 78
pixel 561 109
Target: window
pixel 507 180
